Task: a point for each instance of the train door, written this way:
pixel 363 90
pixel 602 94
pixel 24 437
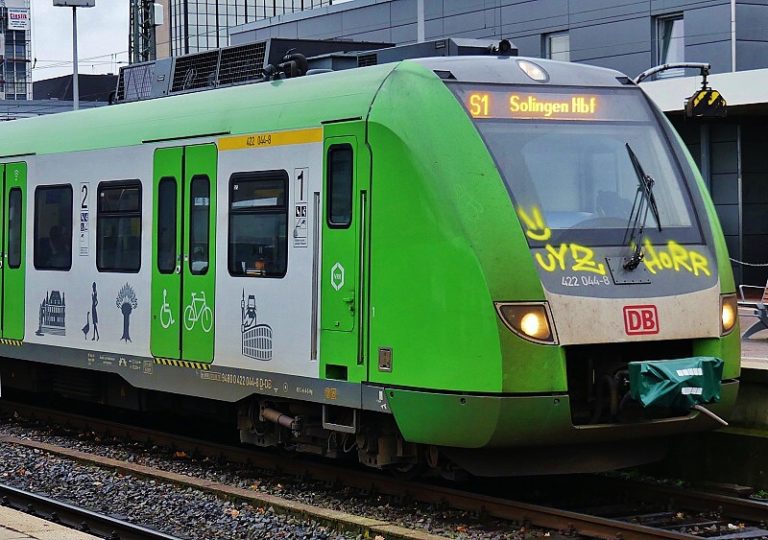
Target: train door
pixel 12 198
pixel 183 253
pixel 343 294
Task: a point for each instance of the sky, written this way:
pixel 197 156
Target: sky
pixel 102 38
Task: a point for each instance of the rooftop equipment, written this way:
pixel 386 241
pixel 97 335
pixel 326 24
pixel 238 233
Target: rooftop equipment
pixel 279 58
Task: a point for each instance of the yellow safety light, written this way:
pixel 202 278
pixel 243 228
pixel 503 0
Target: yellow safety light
pixel 534 324
pixel 729 313
pixel 529 321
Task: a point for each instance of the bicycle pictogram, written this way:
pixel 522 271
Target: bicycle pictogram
pixel 198 310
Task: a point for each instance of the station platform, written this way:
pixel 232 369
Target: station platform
pixel 754 351
pixel 15 525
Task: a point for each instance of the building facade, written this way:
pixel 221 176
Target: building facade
pixel 630 36
pixel 15 44
pixel 197 25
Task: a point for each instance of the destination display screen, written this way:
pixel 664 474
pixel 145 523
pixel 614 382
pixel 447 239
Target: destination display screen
pixel 580 104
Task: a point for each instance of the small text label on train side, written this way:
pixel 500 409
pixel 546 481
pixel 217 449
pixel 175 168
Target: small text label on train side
pixel 641 320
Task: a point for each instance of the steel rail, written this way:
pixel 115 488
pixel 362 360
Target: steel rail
pixel 733 507
pixel 487 505
pixel 77 518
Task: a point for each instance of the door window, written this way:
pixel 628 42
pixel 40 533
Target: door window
pixel 14 228
pixel 199 226
pixel 340 186
pixel 166 226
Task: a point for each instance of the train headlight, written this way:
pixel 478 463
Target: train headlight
pixel 529 321
pixel 729 313
pixel 534 71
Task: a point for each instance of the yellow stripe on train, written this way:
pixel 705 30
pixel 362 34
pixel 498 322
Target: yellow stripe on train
pixel 11 342
pixel 270 139
pixel 182 364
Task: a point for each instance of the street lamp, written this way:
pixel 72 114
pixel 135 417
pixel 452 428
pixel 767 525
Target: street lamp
pixel 74 4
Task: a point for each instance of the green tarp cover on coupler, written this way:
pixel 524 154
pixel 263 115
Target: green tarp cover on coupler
pixel 676 384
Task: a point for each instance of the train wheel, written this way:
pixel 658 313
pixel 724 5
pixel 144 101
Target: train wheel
pixel 408 471
pixel 432 457
pixel 411 469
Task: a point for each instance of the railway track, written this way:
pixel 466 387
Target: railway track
pixel 677 514
pixel 75 517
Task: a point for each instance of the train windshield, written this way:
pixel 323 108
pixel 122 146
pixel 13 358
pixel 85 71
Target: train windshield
pixel 564 157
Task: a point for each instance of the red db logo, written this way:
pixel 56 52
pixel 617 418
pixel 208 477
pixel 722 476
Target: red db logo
pixel 641 320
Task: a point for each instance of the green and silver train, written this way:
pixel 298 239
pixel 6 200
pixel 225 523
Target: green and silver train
pixel 452 262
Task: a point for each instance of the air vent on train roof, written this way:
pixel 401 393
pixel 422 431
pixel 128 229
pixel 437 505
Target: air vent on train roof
pixel 195 71
pixel 242 64
pixel 135 83
pixel 237 64
pixel 221 67
pixel 367 60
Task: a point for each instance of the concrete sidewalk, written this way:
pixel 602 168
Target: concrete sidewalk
pixel 15 525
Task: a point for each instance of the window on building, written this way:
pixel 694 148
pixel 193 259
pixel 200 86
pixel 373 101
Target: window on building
pixel 340 174
pixel 670 43
pixel 118 227
pixel 197 25
pixel 258 224
pixel 557 46
pixel 53 228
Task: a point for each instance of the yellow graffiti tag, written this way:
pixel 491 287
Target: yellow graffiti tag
pixel 578 258
pixel 584 260
pixel 554 258
pixel 573 256
pixel 535 227
pixel 675 257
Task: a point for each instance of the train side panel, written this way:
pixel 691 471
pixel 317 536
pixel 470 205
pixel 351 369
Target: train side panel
pixel 76 306
pixel 64 301
pixel 266 323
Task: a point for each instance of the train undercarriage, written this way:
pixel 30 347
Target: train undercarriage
pixel 333 432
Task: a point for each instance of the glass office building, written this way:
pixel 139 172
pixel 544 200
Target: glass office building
pixel 198 25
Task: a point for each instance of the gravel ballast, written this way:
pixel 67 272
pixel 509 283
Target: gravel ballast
pixel 192 513
pixel 182 512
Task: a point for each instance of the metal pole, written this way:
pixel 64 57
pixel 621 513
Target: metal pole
pixel 75 80
pixel 733 35
pixel 135 38
pixel 420 21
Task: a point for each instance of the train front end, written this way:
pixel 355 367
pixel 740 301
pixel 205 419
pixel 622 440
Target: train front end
pixel 606 268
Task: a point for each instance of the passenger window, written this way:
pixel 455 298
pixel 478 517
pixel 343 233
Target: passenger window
pixel 199 224
pixel 258 224
pixel 14 228
pixel 340 161
pixel 118 227
pixel 166 226
pixel 53 228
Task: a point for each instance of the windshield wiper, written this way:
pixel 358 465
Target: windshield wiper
pixel 643 203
